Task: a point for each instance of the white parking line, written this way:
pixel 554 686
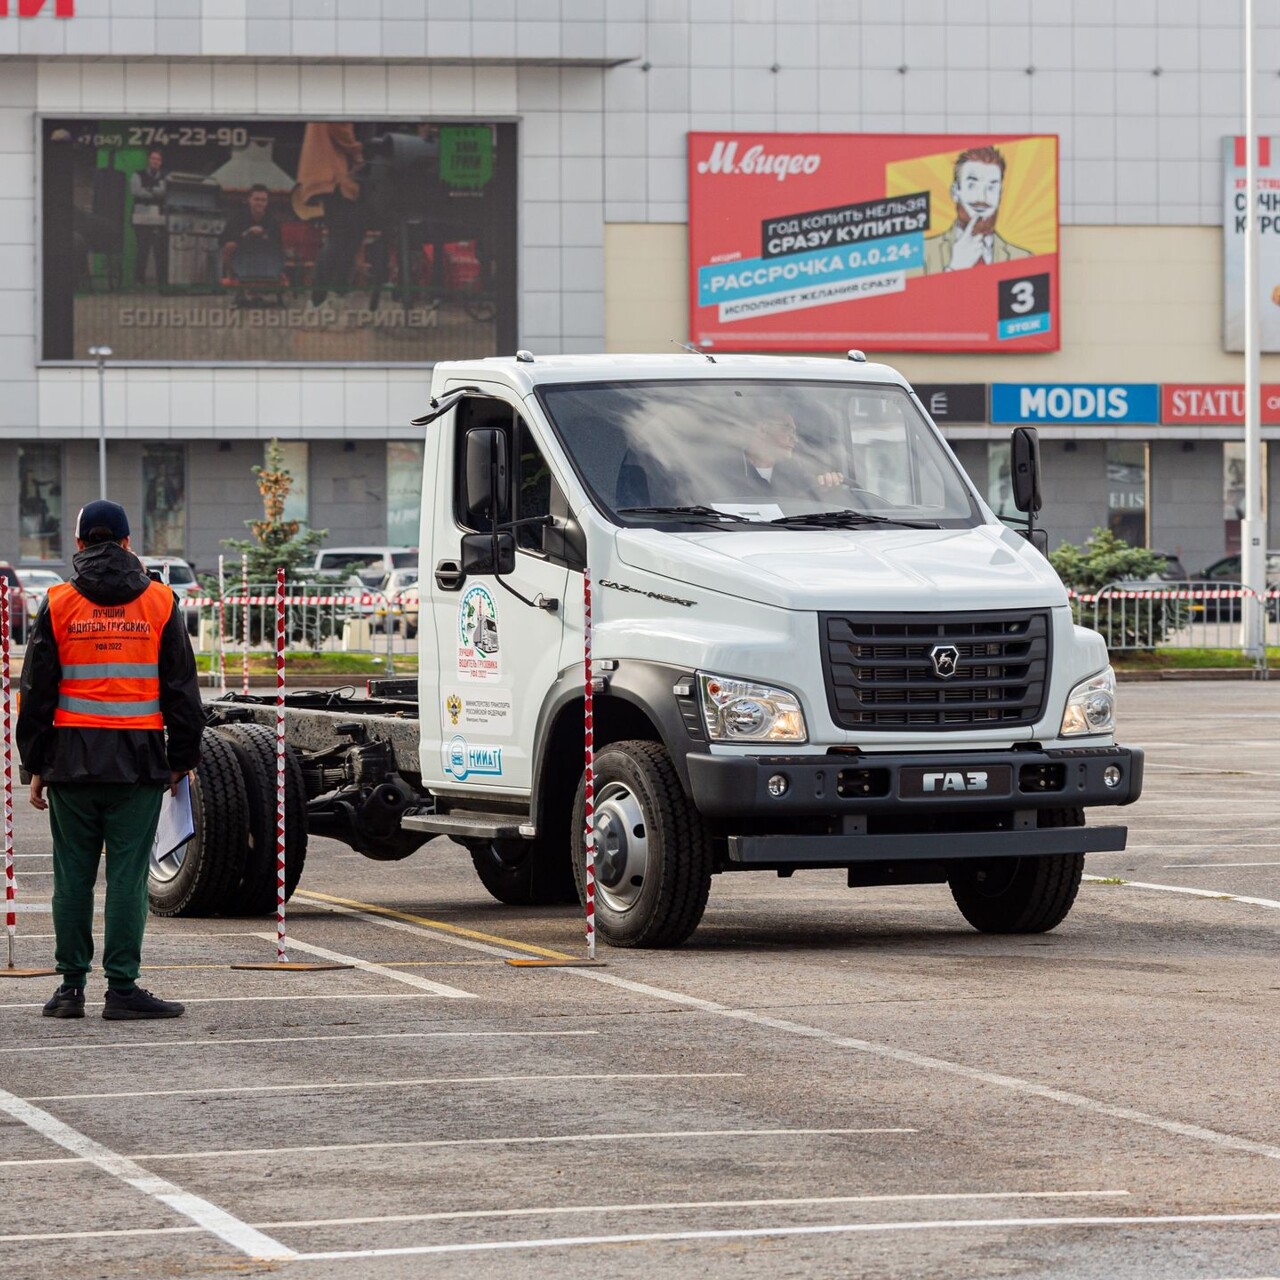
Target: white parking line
pixel 209 1217
pixel 546 1211
pixel 1187 866
pixel 760 1233
pixel 368 995
pixel 152 1046
pixel 892 1053
pixel 330 1086
pixel 680 1135
pixel 942 1197
pixel 368 966
pixel 1197 893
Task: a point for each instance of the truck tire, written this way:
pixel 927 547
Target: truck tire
pixel 653 854
pixel 1021 895
pixel 525 873
pixel 255 748
pixel 202 878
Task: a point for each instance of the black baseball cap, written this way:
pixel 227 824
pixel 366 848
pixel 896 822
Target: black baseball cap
pixel 103 515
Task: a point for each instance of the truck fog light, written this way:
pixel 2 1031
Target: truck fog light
pixel 778 785
pixel 1111 775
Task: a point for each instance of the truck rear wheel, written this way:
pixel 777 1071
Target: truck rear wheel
pixel 202 877
pixel 653 855
pixel 255 748
pixel 525 873
pixel 1021 895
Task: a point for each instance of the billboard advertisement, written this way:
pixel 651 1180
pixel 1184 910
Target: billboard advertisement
pixel 1234 208
pixel 223 241
pixel 904 242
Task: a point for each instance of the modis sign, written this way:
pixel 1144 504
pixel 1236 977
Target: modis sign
pixel 1075 402
pixel 911 242
pixel 33 8
pixel 1214 404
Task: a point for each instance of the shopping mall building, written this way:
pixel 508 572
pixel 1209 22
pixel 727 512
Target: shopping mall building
pixel 278 213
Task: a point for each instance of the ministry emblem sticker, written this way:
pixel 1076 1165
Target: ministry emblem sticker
pixel 945 659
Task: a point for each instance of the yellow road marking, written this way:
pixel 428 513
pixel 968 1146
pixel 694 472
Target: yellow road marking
pixel 428 923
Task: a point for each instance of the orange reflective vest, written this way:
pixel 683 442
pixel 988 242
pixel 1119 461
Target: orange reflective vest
pixel 110 658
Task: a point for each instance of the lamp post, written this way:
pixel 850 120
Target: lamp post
pixel 102 355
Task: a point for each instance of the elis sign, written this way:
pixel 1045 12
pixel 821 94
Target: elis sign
pixel 32 8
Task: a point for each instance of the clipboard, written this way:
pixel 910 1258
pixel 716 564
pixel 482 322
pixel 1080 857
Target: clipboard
pixel 177 823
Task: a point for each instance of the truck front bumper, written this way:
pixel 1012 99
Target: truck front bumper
pixel 911 806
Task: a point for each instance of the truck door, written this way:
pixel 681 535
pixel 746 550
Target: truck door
pixel 497 656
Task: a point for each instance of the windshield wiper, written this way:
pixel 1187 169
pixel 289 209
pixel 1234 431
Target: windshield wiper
pixel 696 510
pixel 846 519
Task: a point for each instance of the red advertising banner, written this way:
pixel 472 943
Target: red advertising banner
pixel 1214 404
pixel 902 242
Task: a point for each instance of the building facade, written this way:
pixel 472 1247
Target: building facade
pixel 551 139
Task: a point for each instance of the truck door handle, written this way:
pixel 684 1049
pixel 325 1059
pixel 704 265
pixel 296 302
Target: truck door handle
pixel 449 575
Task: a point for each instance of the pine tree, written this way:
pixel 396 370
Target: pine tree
pixel 278 541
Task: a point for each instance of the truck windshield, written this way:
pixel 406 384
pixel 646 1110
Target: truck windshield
pixel 733 454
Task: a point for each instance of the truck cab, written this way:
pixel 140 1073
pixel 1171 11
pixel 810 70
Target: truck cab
pixel 815 645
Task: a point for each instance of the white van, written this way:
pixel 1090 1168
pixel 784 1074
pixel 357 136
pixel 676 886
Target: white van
pixel 372 564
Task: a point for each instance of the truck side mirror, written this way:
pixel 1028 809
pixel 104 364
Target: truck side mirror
pixel 488 555
pixel 1025 448
pixel 486 478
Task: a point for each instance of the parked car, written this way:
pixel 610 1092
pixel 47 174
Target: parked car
pixel 35 585
pixel 182 582
pixel 17 606
pixel 407 602
pixel 1227 573
pixel 393 587
pixel 373 564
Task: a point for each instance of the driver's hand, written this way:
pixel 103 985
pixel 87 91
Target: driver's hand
pixel 830 479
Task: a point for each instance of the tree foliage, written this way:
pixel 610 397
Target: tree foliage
pixel 276 541
pixel 1104 561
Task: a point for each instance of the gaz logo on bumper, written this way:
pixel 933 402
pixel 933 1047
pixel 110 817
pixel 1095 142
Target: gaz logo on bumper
pixel 992 780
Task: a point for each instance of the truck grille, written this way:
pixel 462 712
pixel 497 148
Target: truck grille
pixel 881 671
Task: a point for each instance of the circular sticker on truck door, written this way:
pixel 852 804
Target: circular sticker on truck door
pixel 478 646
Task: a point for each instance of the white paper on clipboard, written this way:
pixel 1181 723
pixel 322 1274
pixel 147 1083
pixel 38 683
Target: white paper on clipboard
pixel 176 825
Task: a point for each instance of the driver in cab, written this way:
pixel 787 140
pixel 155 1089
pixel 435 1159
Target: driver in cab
pixel 767 465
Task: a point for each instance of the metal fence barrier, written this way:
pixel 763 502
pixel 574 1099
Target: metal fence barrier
pixel 1192 615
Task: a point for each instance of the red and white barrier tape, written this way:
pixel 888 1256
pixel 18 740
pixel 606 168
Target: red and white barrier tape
pixel 244 592
pixel 281 958
pixel 10 887
pixel 207 601
pixel 1174 593
pixel 589 777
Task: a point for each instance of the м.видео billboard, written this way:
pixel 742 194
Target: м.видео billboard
pixel 223 240
pixel 925 242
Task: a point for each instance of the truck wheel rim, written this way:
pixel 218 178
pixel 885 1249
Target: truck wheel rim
pixel 166 868
pixel 622 847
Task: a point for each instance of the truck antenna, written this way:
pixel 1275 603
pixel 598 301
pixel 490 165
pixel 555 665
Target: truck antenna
pixel 697 351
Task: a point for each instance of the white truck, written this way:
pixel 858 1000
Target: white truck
pixel 815 647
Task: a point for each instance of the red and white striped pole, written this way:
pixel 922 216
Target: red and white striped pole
pixel 281 958
pixel 244 591
pixel 589 780
pixel 10 888
pixel 222 624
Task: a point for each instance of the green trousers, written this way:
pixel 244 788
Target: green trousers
pixel 85 817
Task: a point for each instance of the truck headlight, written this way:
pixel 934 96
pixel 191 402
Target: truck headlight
pixel 743 711
pixel 1091 707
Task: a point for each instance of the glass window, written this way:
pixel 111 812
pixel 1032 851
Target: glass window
pixel 1233 494
pixel 1000 481
pixel 404 492
pixel 164 499
pixel 295 457
pixel 757 450
pixel 40 501
pixel 1127 491
pixel 533 488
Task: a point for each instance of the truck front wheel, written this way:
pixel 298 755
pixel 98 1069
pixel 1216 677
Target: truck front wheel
pixel 653 855
pixel 1020 895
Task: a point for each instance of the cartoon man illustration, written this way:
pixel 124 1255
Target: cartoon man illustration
pixel 971 240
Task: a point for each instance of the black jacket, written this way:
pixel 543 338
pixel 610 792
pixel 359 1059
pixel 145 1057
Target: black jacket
pixel 108 574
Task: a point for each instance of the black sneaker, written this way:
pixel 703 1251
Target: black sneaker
pixel 137 1003
pixel 66 1002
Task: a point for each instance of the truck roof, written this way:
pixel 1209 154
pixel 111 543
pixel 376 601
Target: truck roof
pixel 526 373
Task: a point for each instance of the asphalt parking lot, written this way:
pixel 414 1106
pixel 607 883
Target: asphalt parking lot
pixel 823 1082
